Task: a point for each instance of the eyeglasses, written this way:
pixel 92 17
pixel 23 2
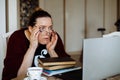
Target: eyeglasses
pixel 43 29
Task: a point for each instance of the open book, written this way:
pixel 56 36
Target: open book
pixel 56 61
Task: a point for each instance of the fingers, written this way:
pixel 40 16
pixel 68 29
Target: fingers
pixel 34 36
pixel 54 36
pixel 54 32
pixel 51 45
pixel 34 32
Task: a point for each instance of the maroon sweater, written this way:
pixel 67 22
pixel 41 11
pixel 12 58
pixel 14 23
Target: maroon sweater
pixel 16 49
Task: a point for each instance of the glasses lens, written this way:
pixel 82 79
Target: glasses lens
pixel 42 29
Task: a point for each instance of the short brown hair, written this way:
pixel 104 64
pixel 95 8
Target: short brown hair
pixel 37 14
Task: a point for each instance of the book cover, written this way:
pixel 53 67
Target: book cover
pixel 56 61
pixel 59 71
pixel 55 67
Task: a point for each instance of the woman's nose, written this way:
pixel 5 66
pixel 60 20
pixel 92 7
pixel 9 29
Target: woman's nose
pixel 48 32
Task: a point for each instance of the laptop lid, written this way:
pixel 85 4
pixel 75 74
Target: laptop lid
pixel 101 58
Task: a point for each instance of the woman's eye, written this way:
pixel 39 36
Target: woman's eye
pixel 42 29
pixel 50 28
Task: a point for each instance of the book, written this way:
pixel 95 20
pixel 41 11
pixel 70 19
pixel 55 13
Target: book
pixel 56 61
pixel 55 67
pixel 59 71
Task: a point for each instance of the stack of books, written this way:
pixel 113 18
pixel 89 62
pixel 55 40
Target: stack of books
pixel 56 63
pixel 53 66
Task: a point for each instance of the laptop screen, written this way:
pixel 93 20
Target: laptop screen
pixel 101 58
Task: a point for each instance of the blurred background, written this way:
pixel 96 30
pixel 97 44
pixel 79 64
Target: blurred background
pixel 74 20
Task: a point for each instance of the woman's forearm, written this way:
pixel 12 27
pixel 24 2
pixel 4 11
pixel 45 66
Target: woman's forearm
pixel 52 53
pixel 27 62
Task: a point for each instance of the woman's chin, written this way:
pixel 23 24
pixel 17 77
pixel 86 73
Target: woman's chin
pixel 45 42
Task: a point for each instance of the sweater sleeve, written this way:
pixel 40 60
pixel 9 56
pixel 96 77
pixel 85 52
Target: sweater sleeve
pixel 60 48
pixel 14 56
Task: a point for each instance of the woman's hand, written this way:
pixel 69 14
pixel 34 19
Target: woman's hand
pixel 51 45
pixel 34 32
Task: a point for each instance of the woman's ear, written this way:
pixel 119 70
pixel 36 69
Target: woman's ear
pixel 30 28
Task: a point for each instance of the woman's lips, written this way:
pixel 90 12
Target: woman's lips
pixel 46 38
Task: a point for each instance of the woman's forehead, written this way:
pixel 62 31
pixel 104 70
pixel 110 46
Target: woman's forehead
pixel 44 19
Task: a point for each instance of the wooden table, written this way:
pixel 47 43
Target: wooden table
pixel 48 78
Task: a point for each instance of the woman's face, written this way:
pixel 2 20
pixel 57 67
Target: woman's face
pixel 45 28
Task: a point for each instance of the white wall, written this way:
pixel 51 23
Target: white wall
pixel 13 15
pixel 94 17
pixel 2 30
pixel 110 15
pixel 9 21
pixel 100 14
pixel 2 16
pixel 75 17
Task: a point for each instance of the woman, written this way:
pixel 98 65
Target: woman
pixel 26 45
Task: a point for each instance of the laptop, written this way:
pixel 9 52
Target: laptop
pixel 101 58
pixel 71 75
